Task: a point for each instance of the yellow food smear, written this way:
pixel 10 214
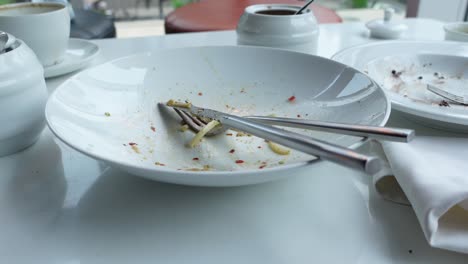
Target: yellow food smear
pixel 136 149
pixel 242 134
pixel 184 128
pixel 179 104
pixel 205 168
pixel 198 137
pixel 278 149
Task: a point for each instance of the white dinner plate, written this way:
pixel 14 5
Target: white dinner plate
pixel 109 112
pixel 414 65
pixel 79 53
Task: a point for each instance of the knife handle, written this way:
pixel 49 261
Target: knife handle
pixel 324 150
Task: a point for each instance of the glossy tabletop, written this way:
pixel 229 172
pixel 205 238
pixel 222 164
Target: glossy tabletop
pixel 59 206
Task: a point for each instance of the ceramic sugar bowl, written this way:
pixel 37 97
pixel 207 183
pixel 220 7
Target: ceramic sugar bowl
pixel 277 26
pixel 23 95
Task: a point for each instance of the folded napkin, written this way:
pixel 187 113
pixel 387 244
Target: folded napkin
pixel 431 174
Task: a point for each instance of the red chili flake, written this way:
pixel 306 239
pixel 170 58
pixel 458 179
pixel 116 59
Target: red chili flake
pixel 292 98
pixel 259 147
pixel 229 134
pixel 298 115
pixel 195 159
pixel 232 151
pixel 153 128
pixel 261 167
pixel 200 94
pixel 132 144
pixel 239 161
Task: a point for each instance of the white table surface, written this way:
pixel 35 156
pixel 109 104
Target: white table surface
pixel 59 206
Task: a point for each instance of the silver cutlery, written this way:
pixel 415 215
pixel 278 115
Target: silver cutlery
pixel 324 150
pixel 375 132
pixel 3 41
pixel 304 7
pixel 463 100
pixel 382 133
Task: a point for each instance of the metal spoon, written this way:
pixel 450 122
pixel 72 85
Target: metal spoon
pixel 3 41
pixel 304 7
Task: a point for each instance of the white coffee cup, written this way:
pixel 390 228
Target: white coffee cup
pixel 44 27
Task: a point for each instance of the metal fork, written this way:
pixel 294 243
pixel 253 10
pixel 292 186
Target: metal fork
pixel 382 133
pixel 196 123
pixel 463 100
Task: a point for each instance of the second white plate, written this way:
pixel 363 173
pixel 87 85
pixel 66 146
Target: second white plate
pixel 403 68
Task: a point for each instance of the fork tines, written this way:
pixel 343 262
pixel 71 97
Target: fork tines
pixel 194 123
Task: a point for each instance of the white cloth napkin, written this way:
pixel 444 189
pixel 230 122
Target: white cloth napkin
pixel 430 173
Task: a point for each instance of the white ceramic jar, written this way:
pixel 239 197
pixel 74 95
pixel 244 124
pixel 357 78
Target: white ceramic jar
pixel 23 95
pixel 275 25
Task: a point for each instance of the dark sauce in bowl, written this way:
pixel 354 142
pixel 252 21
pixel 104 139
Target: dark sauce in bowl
pixel 276 12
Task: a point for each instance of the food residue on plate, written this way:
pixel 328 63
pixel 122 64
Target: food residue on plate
pixel 205 168
pixel 444 103
pixel 134 146
pixel 243 134
pixel 396 74
pixel 198 137
pixel 278 149
pixel 404 76
pixel 179 104
pixel 210 124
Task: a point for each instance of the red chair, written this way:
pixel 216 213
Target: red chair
pixel 211 15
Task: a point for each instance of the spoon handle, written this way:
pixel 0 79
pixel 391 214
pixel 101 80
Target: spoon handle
pixel 381 133
pixel 304 7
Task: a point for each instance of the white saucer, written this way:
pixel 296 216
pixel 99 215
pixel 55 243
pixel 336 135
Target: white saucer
pixel 78 54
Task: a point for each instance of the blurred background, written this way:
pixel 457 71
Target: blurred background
pixel 135 18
